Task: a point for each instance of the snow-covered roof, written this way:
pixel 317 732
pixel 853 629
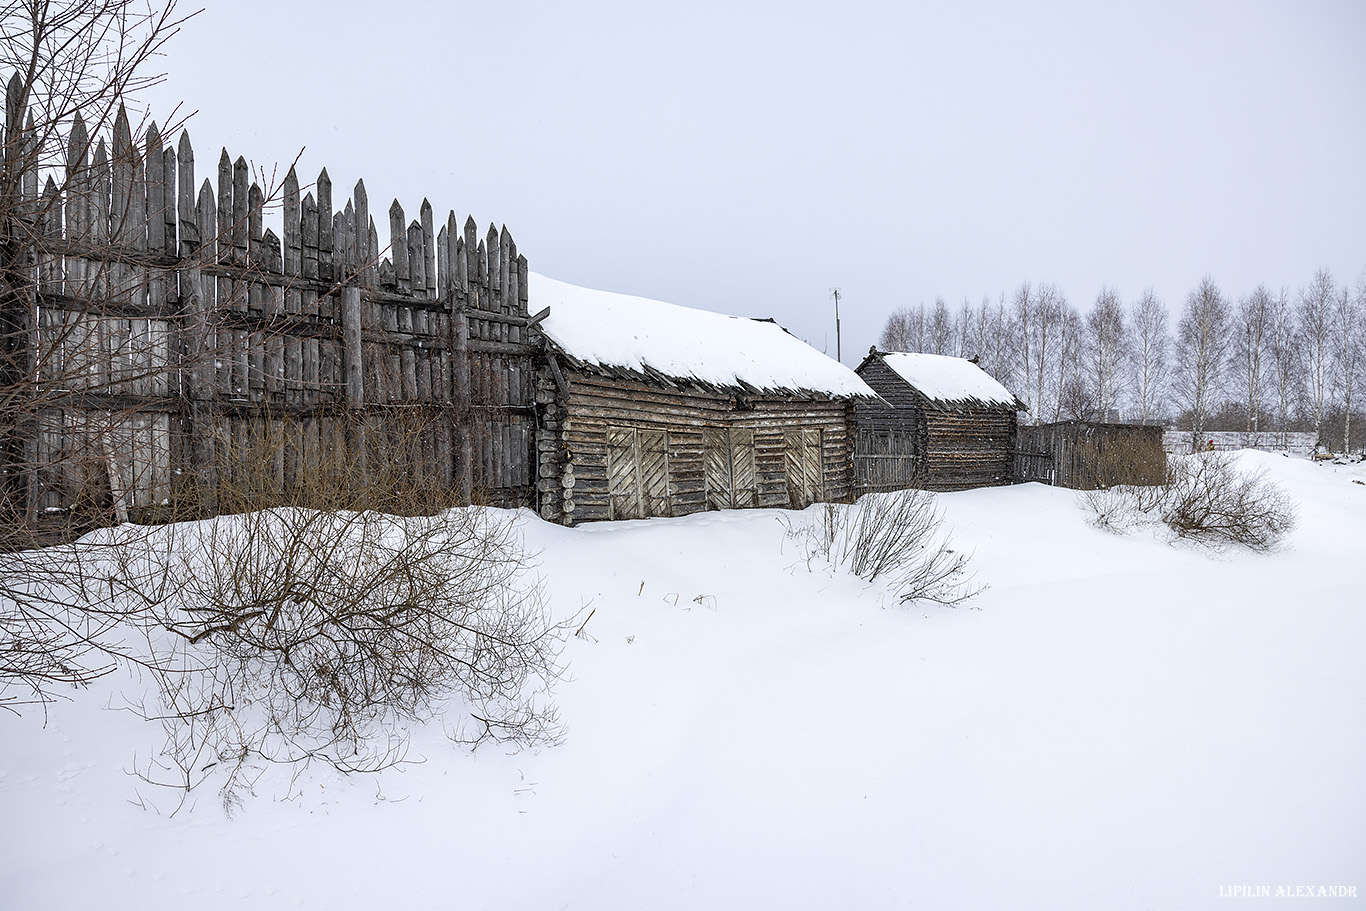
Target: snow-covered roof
pixel 951 380
pixel 607 330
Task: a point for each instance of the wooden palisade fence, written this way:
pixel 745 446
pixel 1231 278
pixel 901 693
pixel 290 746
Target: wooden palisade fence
pixel 165 349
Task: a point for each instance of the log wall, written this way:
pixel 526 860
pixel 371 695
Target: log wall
pixel 912 441
pixel 613 448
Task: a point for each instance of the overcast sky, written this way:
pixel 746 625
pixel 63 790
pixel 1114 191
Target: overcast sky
pixel 748 157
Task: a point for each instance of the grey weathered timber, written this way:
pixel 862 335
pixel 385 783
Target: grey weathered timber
pixel 911 440
pixel 188 350
pixel 612 446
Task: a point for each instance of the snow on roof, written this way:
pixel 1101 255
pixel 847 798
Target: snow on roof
pixel 949 379
pixel 605 329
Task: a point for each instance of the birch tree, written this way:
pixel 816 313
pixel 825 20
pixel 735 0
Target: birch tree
pixel 1202 345
pixel 1151 347
pixel 1074 397
pixel 1253 332
pixel 1044 346
pixel 1283 349
pixel 1107 351
pixel 903 330
pixel 1022 316
pixel 1315 323
pixel 940 328
pixel 1349 339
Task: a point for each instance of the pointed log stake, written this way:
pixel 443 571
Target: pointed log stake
pixel 309 232
pixel 168 210
pixel 241 179
pixel 224 234
pixel 325 265
pixel 255 204
pixel 491 247
pixel 398 246
pixel 78 201
pixel 471 252
pixel 452 235
pixel 443 263
pixel 416 259
pixel 362 217
pixel 156 191
pixel 428 249
pixel 14 114
pixel 293 247
pixel 462 276
pixel 189 227
pixel 121 171
pixel 505 267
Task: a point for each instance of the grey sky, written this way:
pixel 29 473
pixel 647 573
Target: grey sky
pixel 747 157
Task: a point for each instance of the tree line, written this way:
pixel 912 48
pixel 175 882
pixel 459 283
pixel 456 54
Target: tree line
pixel 1269 361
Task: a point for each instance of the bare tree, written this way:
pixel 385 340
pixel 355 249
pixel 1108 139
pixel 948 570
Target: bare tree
pixel 1004 346
pixel 1253 334
pixel 963 325
pixel 1202 353
pixel 1045 347
pixel 1074 400
pixel 1283 348
pixel 940 329
pixel 1022 307
pixel 1151 342
pixel 1107 350
pixel 1348 313
pixel 72 63
pixel 903 330
pixel 1315 319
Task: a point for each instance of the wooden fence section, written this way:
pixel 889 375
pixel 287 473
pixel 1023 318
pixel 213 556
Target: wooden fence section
pixel 169 349
pixel 887 460
pixel 1085 455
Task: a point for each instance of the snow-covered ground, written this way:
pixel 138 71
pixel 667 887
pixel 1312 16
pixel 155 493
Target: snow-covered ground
pixel 1115 722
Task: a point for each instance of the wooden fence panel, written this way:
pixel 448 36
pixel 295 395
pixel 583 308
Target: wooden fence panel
pixel 185 351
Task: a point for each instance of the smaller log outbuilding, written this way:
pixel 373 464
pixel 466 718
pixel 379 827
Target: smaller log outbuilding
pixel 646 408
pixel 943 423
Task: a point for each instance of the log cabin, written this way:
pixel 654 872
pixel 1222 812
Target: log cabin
pixel 646 408
pixel 940 423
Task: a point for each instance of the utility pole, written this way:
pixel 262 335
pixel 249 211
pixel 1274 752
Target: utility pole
pixel 835 293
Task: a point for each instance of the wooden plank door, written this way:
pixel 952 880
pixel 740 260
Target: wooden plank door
pixel 716 465
pixel 623 475
pixel 805 462
pixel 653 452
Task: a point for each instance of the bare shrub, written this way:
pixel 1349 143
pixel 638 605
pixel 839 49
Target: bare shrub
pixel 1209 500
pixel 1113 509
pixel 1206 499
pixel 894 536
pixel 56 623
pixel 293 635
